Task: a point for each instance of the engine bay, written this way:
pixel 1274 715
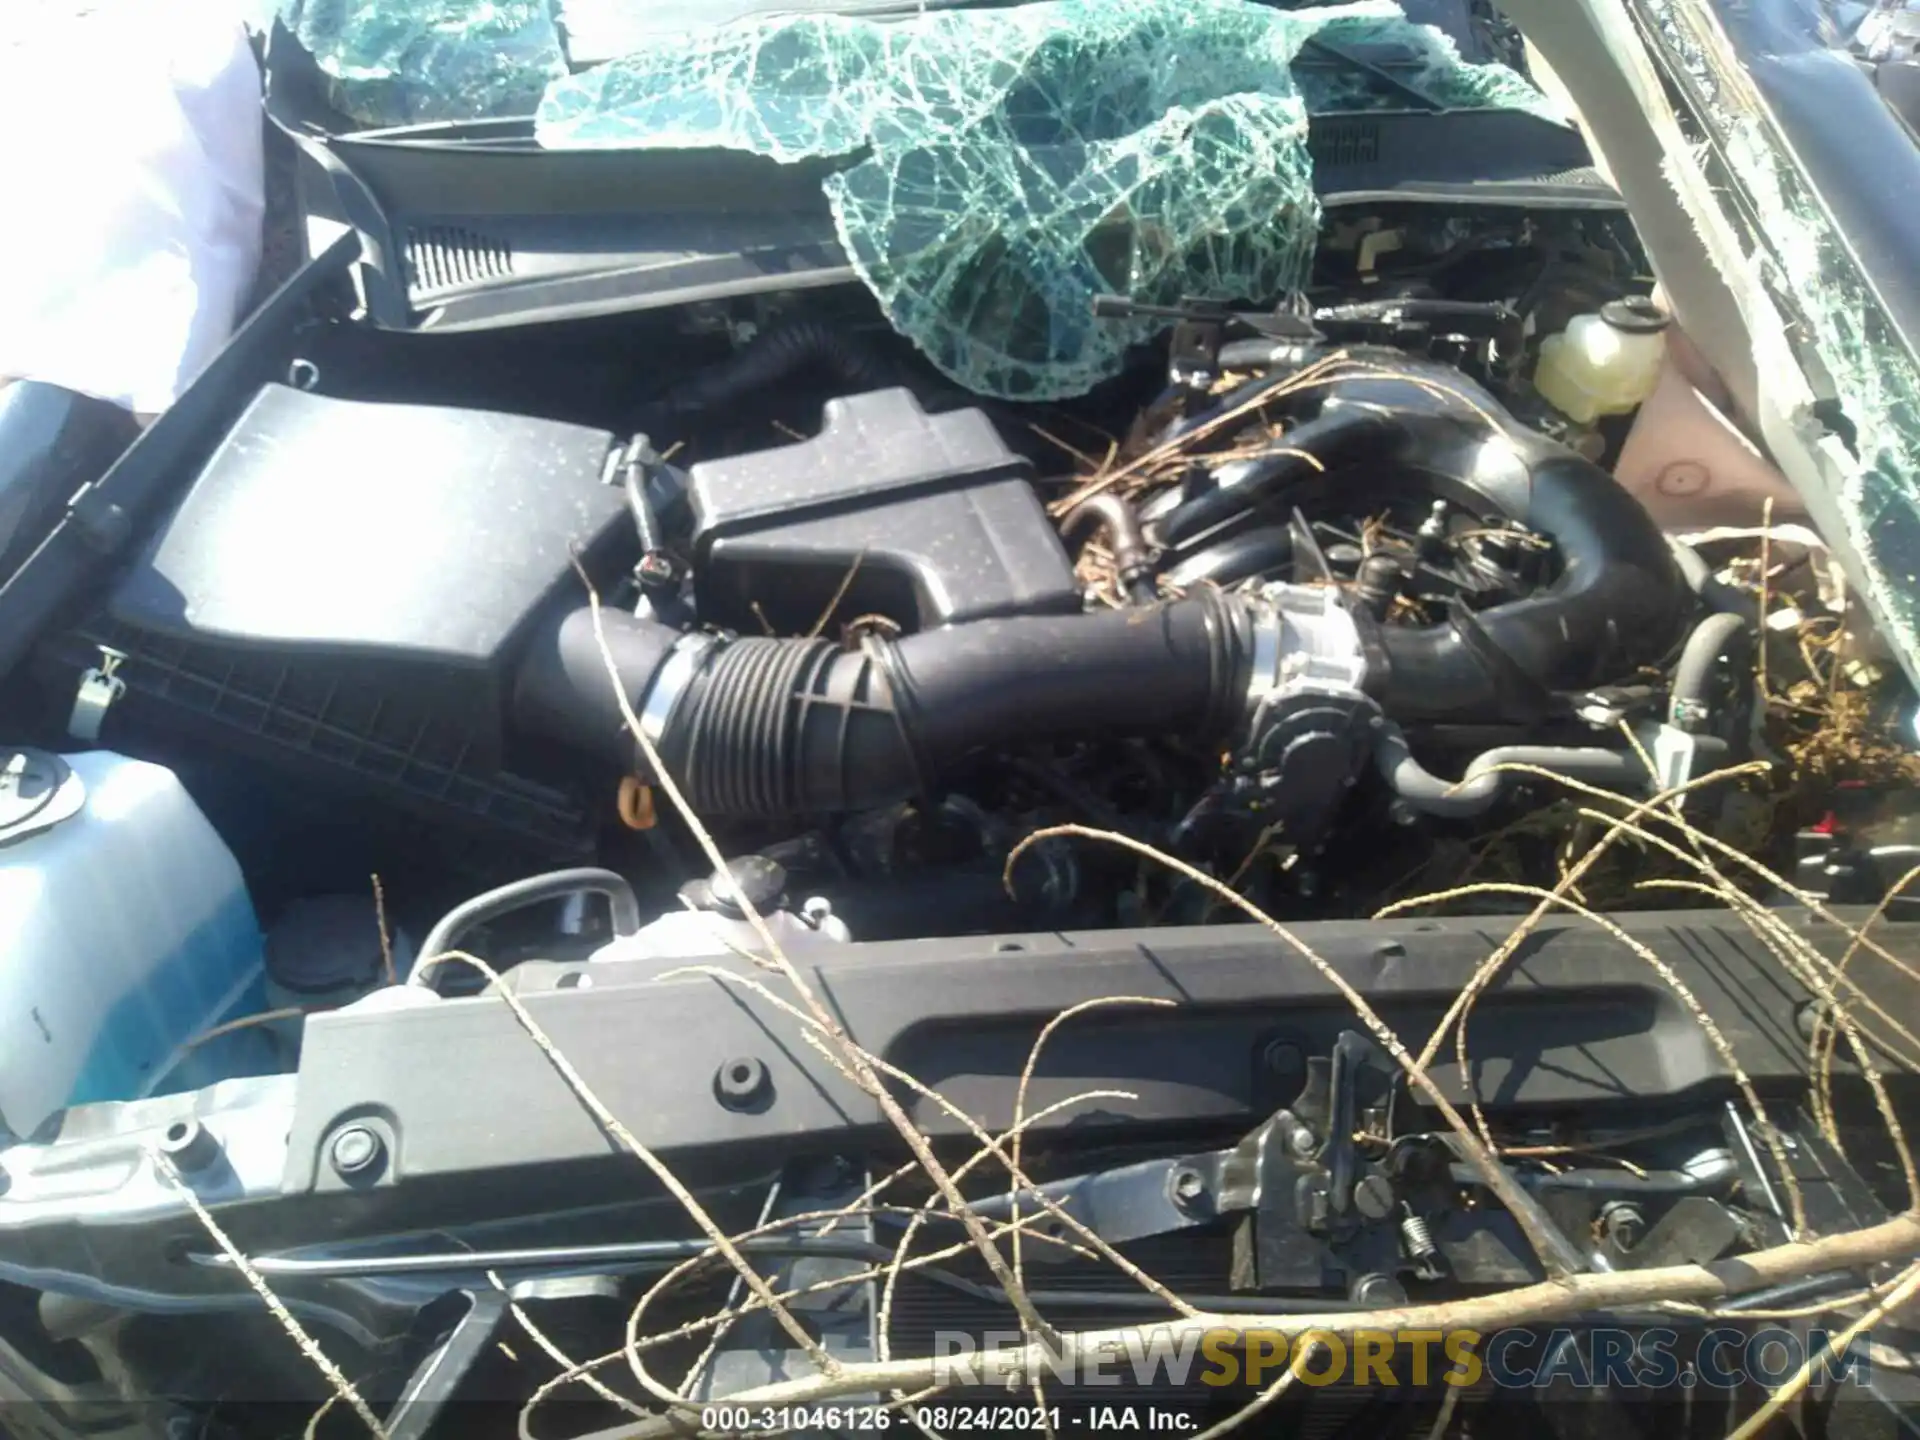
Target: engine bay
pixel 441 645
pixel 1290 597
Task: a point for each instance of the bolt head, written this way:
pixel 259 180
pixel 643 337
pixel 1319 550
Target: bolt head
pixel 356 1150
pixel 1623 1224
pixel 1300 1141
pixel 1373 1196
pixel 743 1083
pixel 1379 1290
pixel 1189 1188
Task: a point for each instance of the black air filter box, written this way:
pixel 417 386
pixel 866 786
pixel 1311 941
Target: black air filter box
pixel 931 515
pixel 385 561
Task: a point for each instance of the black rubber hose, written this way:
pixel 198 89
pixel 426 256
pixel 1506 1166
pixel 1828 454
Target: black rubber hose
pixel 1332 439
pixel 1618 602
pixel 1132 557
pixel 791 727
pixel 646 523
pixel 1407 425
pixel 1720 637
pixel 1479 789
pixel 786 727
pixel 562 691
pixel 1713 592
pixel 829 355
pixel 1267 354
pixel 517 895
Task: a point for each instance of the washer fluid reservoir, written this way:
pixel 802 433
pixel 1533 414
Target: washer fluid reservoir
pixel 1605 363
pixel 125 932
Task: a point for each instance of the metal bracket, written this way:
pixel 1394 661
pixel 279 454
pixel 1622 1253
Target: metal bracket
pixel 437 1377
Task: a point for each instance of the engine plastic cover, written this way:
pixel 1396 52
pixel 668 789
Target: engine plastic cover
pixel 349 525
pixel 929 514
pixel 347 585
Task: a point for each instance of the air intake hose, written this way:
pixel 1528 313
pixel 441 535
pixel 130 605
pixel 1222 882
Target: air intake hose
pixel 780 727
pixel 1399 429
pixel 1618 602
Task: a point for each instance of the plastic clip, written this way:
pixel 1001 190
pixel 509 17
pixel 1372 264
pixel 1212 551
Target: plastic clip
pixel 99 688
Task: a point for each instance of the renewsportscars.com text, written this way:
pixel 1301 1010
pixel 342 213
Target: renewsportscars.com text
pixel 1588 1358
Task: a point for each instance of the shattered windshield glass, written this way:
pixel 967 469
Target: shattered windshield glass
pixel 1003 166
pixel 400 62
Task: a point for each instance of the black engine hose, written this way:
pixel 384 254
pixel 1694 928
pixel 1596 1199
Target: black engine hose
pixel 791 726
pixel 1412 427
pixel 1720 644
pixel 1132 556
pixel 828 353
pixel 1714 592
pixel 1265 353
pixel 1331 440
pixel 1617 603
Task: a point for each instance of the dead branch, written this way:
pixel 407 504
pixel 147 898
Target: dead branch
pixel 1567 1297
pixel 1476 1153
pixel 1908 1286
pixel 863 1071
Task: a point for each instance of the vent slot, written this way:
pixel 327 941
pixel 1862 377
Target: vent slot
pixel 1344 142
pixel 1586 176
pixel 451 257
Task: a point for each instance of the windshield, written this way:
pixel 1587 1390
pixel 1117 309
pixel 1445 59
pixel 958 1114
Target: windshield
pixel 1003 167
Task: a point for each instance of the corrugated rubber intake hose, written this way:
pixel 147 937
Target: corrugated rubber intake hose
pixel 788 727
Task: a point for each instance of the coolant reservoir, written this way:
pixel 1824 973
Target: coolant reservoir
pixel 694 936
pixel 716 924
pixel 125 932
pixel 1604 363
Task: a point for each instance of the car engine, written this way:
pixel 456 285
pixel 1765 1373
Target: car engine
pixel 1329 594
pixel 608 650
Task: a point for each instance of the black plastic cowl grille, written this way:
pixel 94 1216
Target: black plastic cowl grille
pixel 452 257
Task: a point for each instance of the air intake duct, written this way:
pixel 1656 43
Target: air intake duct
pixel 774 727
pixel 758 726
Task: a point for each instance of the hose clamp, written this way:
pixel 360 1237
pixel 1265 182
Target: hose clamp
pixel 685 661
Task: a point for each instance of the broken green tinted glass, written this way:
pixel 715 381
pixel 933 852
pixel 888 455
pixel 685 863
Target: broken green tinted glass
pixel 398 62
pixel 1008 165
